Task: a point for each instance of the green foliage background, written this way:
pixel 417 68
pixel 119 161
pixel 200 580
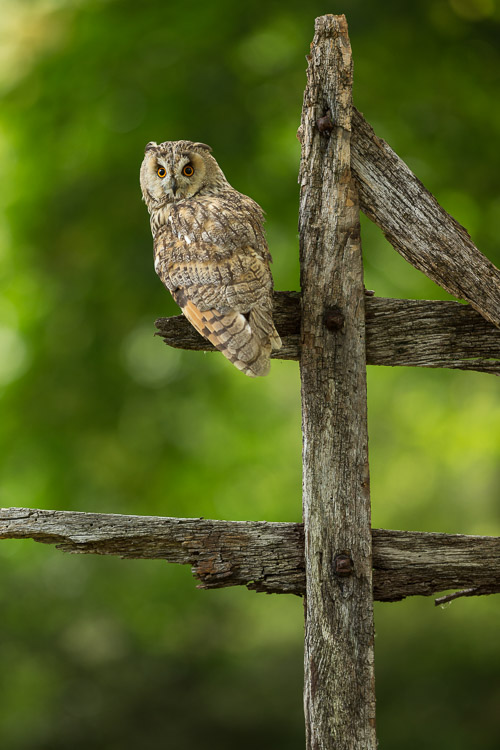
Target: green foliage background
pixel 98 415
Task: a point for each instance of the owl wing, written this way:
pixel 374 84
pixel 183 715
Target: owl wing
pixel 226 294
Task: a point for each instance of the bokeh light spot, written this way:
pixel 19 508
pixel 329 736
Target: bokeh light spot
pixel 13 355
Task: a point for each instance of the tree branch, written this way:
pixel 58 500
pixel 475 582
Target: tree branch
pixel 267 557
pixel 415 333
pixel 465 592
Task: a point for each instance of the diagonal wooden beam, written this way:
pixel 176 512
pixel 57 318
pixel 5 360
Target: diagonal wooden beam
pixel 417 226
pixel 413 333
pixel 266 557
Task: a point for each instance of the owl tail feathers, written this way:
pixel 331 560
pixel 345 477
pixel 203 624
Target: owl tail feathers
pixel 261 321
pixel 276 342
pixel 234 336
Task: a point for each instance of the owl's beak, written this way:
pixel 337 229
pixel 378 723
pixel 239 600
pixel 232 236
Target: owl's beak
pixel 173 185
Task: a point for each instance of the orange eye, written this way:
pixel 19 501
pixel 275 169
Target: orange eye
pixel 188 171
pixel 161 172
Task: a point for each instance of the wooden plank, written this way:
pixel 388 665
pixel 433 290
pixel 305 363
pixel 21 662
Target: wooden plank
pixel 264 556
pixel 421 333
pixel 429 562
pixel 339 689
pixel 267 557
pixel 417 226
pixel 411 333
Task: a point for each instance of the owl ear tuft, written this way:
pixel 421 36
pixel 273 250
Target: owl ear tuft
pixel 204 146
pixel 151 145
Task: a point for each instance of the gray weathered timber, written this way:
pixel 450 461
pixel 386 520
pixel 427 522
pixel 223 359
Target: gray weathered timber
pixel 417 563
pixel 417 226
pixel 267 557
pixel 412 333
pixel 339 692
pixel 422 333
pixel 263 556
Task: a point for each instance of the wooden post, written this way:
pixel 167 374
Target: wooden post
pixel 339 671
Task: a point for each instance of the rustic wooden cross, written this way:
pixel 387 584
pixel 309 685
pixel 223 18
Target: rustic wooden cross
pixel 334 558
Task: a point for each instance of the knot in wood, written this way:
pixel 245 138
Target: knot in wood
pixel 333 318
pixel 343 565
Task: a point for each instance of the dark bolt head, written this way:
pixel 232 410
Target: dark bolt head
pixel 343 565
pixel 325 123
pixel 333 318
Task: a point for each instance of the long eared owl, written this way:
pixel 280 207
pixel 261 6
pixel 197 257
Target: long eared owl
pixel 211 252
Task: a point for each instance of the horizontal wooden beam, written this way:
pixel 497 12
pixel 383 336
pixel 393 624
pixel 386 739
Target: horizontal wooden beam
pixel 415 333
pixel 426 333
pixel 417 226
pixel 263 556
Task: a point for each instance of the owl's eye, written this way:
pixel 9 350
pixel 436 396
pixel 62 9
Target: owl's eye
pixel 188 171
pixel 161 172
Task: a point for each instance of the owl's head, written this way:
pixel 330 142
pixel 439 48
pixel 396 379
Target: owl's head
pixel 175 170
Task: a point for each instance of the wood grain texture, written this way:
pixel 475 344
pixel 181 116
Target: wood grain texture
pixel 412 333
pixel 417 226
pixel 339 695
pixel 262 556
pixel 422 333
pixel 410 563
pixel 266 557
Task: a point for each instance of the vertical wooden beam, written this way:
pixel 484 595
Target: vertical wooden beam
pixel 339 672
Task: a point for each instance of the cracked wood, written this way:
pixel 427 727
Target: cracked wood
pixel 399 332
pixel 266 557
pixel 339 689
pixel 417 226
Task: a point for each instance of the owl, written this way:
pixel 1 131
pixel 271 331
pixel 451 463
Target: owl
pixel 210 252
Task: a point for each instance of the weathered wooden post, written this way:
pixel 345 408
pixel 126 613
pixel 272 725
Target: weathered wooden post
pixel 339 695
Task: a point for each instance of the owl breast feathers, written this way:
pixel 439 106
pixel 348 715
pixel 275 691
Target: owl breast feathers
pixel 211 252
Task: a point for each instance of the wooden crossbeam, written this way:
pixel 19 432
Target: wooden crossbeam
pixel 415 333
pixel 265 557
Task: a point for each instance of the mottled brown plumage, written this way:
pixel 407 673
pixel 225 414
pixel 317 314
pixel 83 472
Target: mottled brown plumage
pixel 211 252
